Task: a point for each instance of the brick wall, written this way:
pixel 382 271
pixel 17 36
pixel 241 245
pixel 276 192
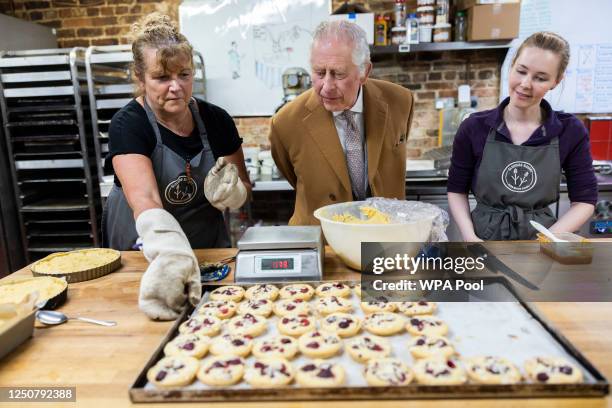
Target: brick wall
pixel 429 75
pixel 87 22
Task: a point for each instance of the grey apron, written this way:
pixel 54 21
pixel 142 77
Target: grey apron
pixel 515 184
pixel 181 188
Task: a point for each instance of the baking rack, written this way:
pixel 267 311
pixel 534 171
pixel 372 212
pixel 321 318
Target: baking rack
pixel 111 86
pixel 52 162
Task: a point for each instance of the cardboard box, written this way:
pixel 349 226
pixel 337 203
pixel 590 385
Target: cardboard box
pixel 363 20
pixel 466 4
pixel 493 21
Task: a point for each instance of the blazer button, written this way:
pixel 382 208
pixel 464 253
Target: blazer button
pixel 332 197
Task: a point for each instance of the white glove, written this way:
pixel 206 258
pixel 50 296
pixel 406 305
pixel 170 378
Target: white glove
pixel 222 186
pixel 173 274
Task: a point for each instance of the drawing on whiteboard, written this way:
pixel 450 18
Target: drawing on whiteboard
pixel 248 44
pixel 273 52
pixel 234 60
pixel 586 58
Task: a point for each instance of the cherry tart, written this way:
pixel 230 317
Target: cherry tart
pixel 429 346
pixel 320 373
pixel 383 323
pixel 223 309
pixel 421 307
pixel 295 325
pixel 427 325
pixel 368 347
pixel 439 371
pixel 377 306
pixel 261 307
pixel 297 291
pixel 552 370
pixel 234 344
pixel 286 307
pixel 387 371
pixel 221 370
pixel 201 324
pixel 191 345
pixel 276 347
pixel 173 371
pixel 262 291
pixel 319 344
pixel 343 324
pixel 247 324
pixel 333 289
pixel 332 304
pixel 492 370
pixel 235 293
pixel 272 372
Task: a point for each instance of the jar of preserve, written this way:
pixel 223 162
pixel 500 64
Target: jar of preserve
pixel 442 33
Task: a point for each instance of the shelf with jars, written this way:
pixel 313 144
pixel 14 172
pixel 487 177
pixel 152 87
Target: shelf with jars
pixel 440 46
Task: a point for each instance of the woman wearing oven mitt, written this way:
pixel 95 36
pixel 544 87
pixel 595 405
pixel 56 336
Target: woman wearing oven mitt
pixel 178 164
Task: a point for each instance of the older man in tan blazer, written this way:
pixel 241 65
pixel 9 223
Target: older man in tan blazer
pixel 344 139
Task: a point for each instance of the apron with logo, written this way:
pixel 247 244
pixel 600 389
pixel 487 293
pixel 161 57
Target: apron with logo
pixel 181 187
pixel 515 184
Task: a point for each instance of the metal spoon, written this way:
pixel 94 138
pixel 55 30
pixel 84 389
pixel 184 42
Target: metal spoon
pixel 546 231
pixel 52 317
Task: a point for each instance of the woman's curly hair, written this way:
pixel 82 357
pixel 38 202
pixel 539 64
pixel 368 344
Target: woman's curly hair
pixel 157 31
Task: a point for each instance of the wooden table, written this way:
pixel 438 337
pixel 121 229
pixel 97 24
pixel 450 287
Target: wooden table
pixel 103 362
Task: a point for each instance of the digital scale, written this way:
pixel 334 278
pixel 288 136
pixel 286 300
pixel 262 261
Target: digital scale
pixel 280 253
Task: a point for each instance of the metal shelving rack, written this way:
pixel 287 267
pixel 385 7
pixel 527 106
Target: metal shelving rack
pixel 111 86
pixel 52 159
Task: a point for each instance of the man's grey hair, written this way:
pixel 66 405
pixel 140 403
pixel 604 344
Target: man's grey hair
pixel 347 31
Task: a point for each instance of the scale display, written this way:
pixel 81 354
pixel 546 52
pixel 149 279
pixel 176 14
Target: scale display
pixel 276 264
pixel 272 263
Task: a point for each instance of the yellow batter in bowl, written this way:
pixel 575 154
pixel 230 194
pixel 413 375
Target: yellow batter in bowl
pixel 371 214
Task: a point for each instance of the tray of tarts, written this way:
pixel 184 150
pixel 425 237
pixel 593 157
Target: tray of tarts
pixel 318 339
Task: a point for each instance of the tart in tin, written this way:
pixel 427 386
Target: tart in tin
pixel 80 265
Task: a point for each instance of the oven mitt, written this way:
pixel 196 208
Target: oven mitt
pixel 223 187
pixel 173 274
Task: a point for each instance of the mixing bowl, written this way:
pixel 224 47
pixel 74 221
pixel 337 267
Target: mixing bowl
pixel 346 238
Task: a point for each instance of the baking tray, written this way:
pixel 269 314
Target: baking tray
pixel 517 324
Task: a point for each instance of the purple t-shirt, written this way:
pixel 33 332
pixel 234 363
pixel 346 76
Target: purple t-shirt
pixel 574 150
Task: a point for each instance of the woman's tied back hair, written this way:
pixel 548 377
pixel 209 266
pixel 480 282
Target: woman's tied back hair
pixel 549 41
pixel 157 31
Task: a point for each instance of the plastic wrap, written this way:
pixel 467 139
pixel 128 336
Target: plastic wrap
pixel 407 212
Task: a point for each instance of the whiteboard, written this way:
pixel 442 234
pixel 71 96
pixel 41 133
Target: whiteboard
pixel 585 24
pixel 247 44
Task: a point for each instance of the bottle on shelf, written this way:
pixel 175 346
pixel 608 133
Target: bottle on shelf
pixel 380 31
pixel 412 28
pixel 460 26
pixel 442 8
pixel 400 13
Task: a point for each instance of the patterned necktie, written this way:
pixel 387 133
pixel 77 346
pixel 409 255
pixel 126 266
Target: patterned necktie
pixel 354 155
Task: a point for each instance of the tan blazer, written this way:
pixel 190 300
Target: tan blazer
pixel 307 149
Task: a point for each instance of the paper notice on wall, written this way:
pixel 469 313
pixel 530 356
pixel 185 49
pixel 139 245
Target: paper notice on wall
pixel 587 84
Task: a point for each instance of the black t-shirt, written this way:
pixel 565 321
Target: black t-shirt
pixel 130 132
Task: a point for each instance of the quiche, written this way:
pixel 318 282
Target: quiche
pixel 50 289
pixel 80 265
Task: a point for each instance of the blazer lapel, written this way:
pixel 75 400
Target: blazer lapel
pixel 320 125
pixel 375 117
